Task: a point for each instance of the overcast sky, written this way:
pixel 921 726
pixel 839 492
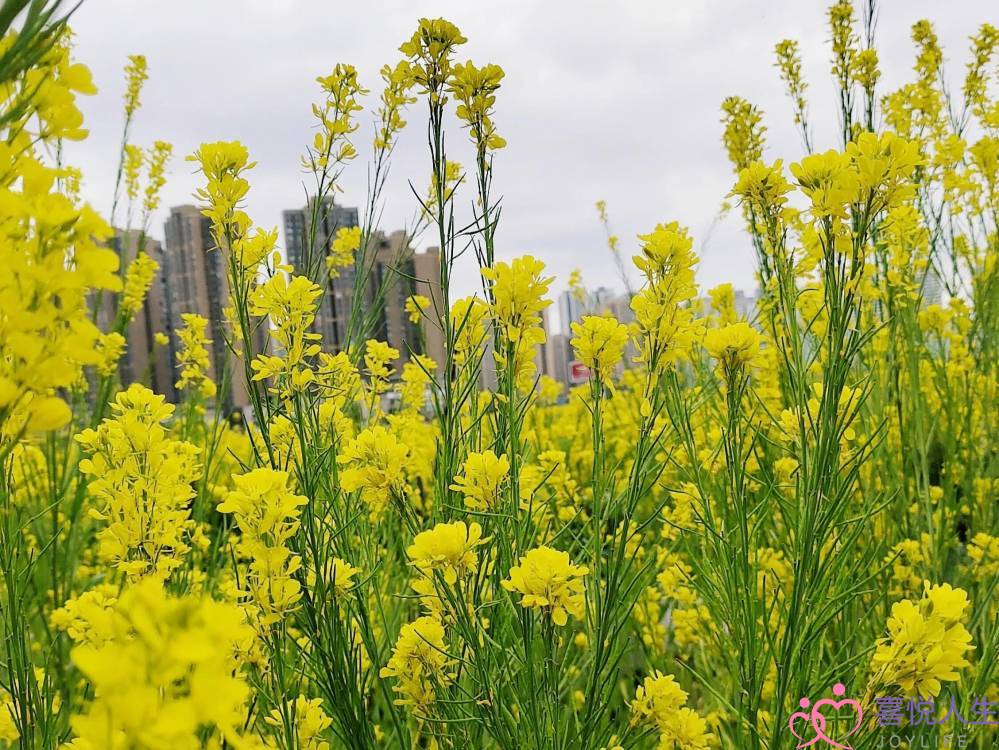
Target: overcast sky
pixel 612 100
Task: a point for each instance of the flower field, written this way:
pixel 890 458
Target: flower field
pixel 685 552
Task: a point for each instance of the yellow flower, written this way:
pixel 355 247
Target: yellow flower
pixel 310 722
pixel 419 661
pixel 267 513
pixel 141 485
pixel 448 547
pixel 663 316
pixel 414 380
pixel 475 89
pixel 138 279
pixel 136 73
pixel 483 479
pixel 762 187
pixel 192 358
pixel 687 730
pixel 468 321
pixel 599 344
pixel 8 728
pixel 789 63
pixel 546 579
pixel 926 643
pixel 735 346
pixel 657 699
pixel 864 69
pixel 342 249
pixel 223 164
pixel 983 550
pixel 518 293
pixel 374 462
pixel 395 97
pixel 723 303
pixel 167 677
pixel 158 159
pixel 331 145
pixel 250 250
pixel 430 50
pixel 659 702
pixel 377 357
pixel 90 617
pixel 416 307
pixel 743 135
pixel 342 574
pixel 110 348
pixel 131 169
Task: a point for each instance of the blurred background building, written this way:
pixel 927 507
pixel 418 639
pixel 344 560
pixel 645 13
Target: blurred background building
pixel 393 266
pixel 193 277
pixel 143 361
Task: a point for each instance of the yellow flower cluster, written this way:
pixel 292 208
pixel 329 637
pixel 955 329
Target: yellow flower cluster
pixel 331 145
pixel 138 279
pixel 290 305
pixel 267 513
pixel 599 344
pixel 449 548
pixel 164 677
pixel 483 479
pixel 419 662
pixel 517 289
pixel 53 251
pixel 140 486
pixel 547 580
pixel 193 359
pixel 659 702
pixel 342 249
pixel 374 463
pixel 735 346
pixel 667 325
pixel 475 89
pixel 927 642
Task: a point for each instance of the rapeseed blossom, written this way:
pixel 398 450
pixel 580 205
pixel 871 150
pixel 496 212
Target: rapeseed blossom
pixel 140 487
pixel 482 480
pixel 449 548
pixel 267 513
pixel 735 346
pixel 599 344
pixel 927 642
pixel 165 677
pixel 547 580
pixel 419 661
pixel 374 463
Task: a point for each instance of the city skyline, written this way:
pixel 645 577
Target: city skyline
pixel 191 278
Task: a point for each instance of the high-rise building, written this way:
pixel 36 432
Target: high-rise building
pixel 196 281
pixel 144 361
pixel 601 300
pixel 391 265
pixel 570 309
pixel 557 356
pixel 426 273
pixel 933 287
pixel 307 249
pixel 404 272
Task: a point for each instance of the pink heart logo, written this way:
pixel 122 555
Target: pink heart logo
pixel 819 722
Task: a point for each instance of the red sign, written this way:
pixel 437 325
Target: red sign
pixel 578 372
